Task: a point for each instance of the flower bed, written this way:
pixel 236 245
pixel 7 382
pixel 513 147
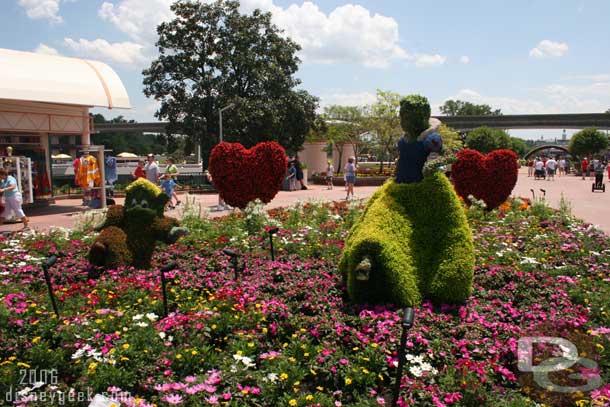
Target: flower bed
pixel 283 333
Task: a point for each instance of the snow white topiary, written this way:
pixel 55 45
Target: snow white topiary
pixel 129 233
pixel 413 240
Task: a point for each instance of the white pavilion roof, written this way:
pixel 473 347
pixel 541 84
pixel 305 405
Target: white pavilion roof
pixel 27 76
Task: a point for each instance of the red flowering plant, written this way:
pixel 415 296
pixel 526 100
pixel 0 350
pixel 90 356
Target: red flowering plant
pixel 242 175
pixel 490 177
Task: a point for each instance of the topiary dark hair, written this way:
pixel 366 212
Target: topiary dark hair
pixel 414 115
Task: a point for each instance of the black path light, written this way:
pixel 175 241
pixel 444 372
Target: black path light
pixel 533 194
pixel 407 323
pixel 48 263
pixel 171 266
pixel 234 261
pixel 543 191
pixel 272 232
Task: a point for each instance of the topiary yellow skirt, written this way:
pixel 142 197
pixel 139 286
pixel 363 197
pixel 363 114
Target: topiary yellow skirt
pixel 412 242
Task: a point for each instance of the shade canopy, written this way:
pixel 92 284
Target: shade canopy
pixel 127 155
pixel 61 156
pixel 27 76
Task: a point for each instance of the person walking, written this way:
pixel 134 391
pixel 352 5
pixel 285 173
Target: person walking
pixel 562 166
pixel 584 167
pixel 538 169
pixel 530 167
pixel 139 171
pixel 168 186
pixel 172 170
pixel 299 176
pixel 568 169
pixel 330 172
pixel 152 169
pixel 350 176
pixel 292 177
pixel 551 167
pixel 12 198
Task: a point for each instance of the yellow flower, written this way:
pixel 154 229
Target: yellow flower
pixel 36 339
pixel 194 352
pixel 21 364
pixel 292 402
pixel 348 381
pixel 320 388
pixel 283 376
pixel 178 356
pixel 126 346
pixel 309 397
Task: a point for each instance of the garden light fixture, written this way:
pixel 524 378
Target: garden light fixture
pixel 234 261
pixel 407 323
pixel 171 266
pixel 272 232
pixel 45 268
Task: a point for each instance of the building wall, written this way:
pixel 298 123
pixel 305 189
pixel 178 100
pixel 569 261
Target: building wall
pixel 314 156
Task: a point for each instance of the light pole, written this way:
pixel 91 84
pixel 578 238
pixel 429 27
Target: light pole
pixel 220 114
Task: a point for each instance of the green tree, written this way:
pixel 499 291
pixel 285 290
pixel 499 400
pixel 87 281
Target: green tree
pixel 346 124
pixel 587 142
pixel 485 140
pixel 384 119
pixel 462 108
pixel 452 140
pixel 211 56
pixel 133 142
pixel 519 146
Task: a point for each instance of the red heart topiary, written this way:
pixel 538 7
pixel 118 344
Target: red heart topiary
pixel 241 175
pixel 491 177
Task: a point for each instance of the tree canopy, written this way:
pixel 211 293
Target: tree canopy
pixel 588 141
pixel 132 142
pixel 485 140
pixel 462 108
pixel 212 56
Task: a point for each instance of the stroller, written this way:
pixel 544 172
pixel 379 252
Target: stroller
pixel 599 185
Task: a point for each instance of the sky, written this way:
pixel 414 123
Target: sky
pixel 521 56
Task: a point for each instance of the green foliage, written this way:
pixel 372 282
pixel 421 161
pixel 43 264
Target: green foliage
pixel 114 252
pixel 414 115
pixel 211 55
pixel 587 142
pixel 418 242
pixel 461 108
pixel 485 140
pixel 452 140
pixel 519 146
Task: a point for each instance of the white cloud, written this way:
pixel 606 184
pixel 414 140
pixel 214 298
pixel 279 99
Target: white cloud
pixel 127 53
pixel 137 18
pixel 348 34
pixel 42 9
pixel 603 77
pixel 465 59
pixel 426 60
pixel 46 50
pixel 549 99
pixel 548 48
pixel 348 99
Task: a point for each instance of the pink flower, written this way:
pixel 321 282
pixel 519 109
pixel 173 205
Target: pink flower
pixel 173 399
pixel 380 401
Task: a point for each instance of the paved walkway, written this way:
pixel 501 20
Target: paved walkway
pixel 65 212
pixel 592 207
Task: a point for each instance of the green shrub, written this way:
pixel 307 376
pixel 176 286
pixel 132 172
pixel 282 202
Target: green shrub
pixel 418 243
pixel 414 115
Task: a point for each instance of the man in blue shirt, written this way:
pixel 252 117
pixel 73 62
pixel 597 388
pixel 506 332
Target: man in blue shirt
pixel 12 198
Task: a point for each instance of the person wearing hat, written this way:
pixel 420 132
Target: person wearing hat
pixel 152 169
pixel 330 172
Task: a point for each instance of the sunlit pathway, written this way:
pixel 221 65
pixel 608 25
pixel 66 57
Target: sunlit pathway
pixel 65 212
pixel 593 207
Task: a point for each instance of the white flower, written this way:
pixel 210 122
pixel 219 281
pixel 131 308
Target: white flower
pixel 416 371
pixel 529 260
pixel 142 324
pixel 152 316
pixel 162 335
pixel 137 317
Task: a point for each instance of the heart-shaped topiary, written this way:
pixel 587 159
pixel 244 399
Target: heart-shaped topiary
pixel 490 177
pixel 241 175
